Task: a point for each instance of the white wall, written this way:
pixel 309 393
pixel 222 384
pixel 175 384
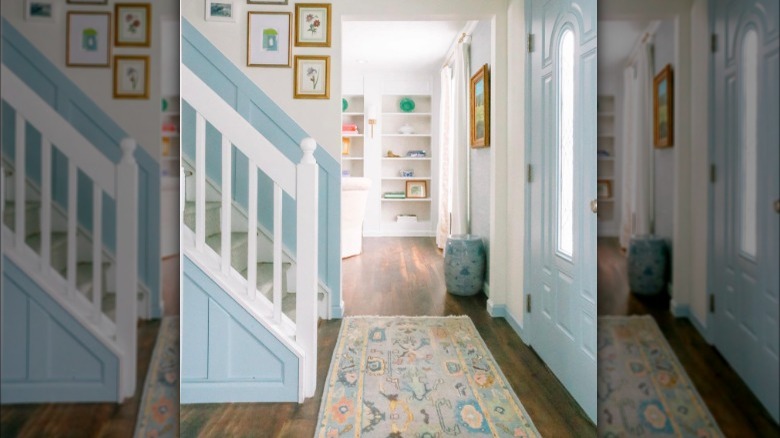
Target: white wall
pixel 515 159
pixel 664 48
pixel 140 118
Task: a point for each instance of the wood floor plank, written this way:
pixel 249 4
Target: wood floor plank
pixel 736 410
pixel 405 276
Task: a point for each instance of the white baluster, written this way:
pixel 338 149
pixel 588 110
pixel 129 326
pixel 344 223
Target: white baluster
pixel 97 252
pixel 73 209
pixel 307 189
pixel 277 253
pixel 200 182
pixel 45 206
pixel 20 183
pixel 251 274
pixel 127 265
pixel 227 152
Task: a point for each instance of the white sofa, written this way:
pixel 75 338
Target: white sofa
pixel 354 192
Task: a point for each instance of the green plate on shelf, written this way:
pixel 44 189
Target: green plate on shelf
pixel 344 104
pixel 407 105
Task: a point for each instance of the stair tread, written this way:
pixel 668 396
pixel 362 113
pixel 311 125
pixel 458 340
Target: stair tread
pixel 35 241
pixel 237 239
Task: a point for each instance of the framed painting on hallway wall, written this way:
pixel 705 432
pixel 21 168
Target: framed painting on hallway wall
pixel 312 77
pixel 88 39
pixel 220 10
pixel 312 25
pixel 131 77
pixel 663 106
pixel 268 39
pixel 132 24
pixel 479 108
pixel 40 10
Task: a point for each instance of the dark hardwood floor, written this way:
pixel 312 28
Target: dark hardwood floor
pixel 83 419
pixel 401 276
pixel 735 408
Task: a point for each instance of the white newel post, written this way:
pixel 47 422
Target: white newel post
pixel 307 189
pixel 127 265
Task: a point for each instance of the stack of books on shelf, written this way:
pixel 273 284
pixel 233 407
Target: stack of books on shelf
pixel 349 128
pixel 395 195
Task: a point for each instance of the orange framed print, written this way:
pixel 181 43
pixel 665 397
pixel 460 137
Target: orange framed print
pixel 479 106
pixel 417 189
pixel 663 108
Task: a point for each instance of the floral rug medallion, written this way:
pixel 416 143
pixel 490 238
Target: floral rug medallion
pixel 642 388
pixel 417 377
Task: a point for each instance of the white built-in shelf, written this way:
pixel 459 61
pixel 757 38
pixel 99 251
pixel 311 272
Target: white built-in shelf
pixel 606 199
pixel 406 135
pixel 351 135
pixel 406 199
pixel 352 114
pixel 170 134
pixel 351 158
pixel 406 114
pixel 170 158
pixel 407 178
pixel 406 158
pixel 606 158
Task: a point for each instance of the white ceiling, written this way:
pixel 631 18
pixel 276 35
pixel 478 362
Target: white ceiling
pixel 616 40
pixel 397 46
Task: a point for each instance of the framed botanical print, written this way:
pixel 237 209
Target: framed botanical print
pixel 88 39
pixel 417 189
pixel 133 24
pixel 663 108
pixel 40 10
pixel 268 39
pixel 312 25
pixel 312 77
pixel 220 10
pixel 131 77
pixel 479 105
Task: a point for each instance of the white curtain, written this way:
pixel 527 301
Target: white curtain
pixel 460 138
pixel 445 150
pixel 638 166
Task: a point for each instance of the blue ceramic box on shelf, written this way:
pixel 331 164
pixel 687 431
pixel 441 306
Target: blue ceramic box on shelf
pixel 647 264
pixel 464 264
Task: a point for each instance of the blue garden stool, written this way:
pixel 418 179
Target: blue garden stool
pixel 647 264
pixel 464 264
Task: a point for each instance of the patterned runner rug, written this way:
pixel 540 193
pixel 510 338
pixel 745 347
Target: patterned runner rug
pixel 158 415
pixel 417 377
pixel 642 388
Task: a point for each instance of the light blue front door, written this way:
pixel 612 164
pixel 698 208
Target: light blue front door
pixel 561 272
pixel 744 237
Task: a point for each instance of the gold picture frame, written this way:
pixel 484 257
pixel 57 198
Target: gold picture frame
pixel 310 31
pixel 603 188
pixel 268 39
pixel 417 188
pixel 308 77
pixel 132 25
pixel 88 39
pixel 663 108
pixel 479 106
pixel 131 77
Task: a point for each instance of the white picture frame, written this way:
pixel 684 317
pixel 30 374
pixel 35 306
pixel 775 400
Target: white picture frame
pixel 40 11
pixel 221 11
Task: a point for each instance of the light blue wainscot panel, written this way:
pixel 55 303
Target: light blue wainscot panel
pixel 54 87
pixel 238 91
pixel 48 356
pixel 227 356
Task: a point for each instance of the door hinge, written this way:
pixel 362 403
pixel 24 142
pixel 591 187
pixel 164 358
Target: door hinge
pixel 712 303
pixel 530 173
pixel 530 42
pixel 528 303
pixel 713 175
pixel 714 43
